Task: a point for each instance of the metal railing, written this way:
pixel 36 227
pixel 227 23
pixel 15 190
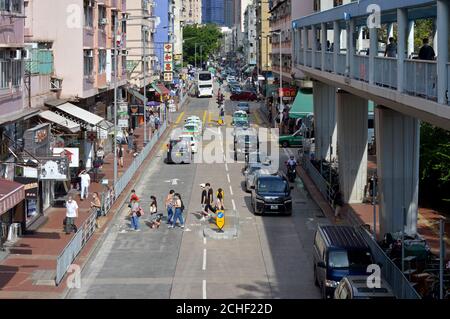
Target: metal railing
pixel 318 179
pixel 329 62
pixel 385 72
pixel 361 67
pixel 421 78
pixel 448 83
pixel 389 271
pixel 75 245
pixel 318 60
pixel 308 58
pixel 301 59
pixel 341 63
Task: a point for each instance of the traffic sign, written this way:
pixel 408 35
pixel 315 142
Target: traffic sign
pixel 220 219
pixel 168 76
pixel 168 48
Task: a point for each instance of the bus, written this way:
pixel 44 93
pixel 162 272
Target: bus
pixel 204 84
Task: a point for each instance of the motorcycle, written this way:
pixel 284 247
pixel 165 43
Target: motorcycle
pixel 291 173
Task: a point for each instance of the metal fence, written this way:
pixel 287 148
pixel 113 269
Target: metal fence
pixel 318 60
pixel 386 72
pixel 75 245
pixel 329 62
pixel 308 58
pixel 389 271
pixel 421 78
pixel 361 67
pixel 301 58
pixel 448 82
pixel 341 63
pixel 318 179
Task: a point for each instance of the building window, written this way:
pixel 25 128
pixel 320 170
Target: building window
pixel 113 20
pixel 337 3
pixel 13 6
pixel 88 62
pixel 101 61
pixel 102 17
pixel 88 14
pixel 11 70
pixel 124 60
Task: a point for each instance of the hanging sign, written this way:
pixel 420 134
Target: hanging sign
pixel 168 76
pixel 168 67
pixel 168 47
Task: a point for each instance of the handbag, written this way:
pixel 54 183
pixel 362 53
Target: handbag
pixel 139 212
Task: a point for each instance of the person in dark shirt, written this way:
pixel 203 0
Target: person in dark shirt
pixel 207 199
pixel 426 52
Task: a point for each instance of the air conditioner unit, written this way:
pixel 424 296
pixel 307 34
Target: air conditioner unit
pixel 15 54
pixel 103 21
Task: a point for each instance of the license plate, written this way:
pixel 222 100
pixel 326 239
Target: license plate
pixel 273 206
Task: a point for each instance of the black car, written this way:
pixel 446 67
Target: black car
pixel 271 194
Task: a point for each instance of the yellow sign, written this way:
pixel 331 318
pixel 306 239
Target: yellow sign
pixel 220 219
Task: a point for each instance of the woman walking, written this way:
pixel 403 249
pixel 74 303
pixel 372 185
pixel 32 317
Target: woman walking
pixel 220 200
pixel 179 207
pixel 155 217
pixel 135 214
pixel 97 205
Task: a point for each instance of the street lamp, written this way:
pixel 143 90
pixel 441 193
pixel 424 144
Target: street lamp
pixel 281 80
pixel 116 27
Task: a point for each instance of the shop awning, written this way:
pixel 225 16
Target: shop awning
pixel 136 94
pixel 11 194
pixel 303 105
pixel 161 89
pixel 60 120
pixel 85 116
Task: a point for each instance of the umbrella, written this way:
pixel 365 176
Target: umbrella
pixel 153 103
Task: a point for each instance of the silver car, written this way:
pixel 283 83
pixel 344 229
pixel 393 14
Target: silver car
pixel 252 173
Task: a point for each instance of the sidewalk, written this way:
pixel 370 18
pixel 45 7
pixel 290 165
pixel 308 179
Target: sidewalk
pixel 29 270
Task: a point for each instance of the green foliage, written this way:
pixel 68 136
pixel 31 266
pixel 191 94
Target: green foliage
pixel 206 36
pixel 435 166
pixel 423 28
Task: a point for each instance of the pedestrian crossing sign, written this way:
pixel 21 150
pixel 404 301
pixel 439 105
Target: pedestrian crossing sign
pixel 220 219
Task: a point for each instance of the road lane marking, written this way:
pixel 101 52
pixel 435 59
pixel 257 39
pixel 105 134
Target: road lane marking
pixel 204 240
pixel 204 289
pixel 204 259
pixel 228 177
pixel 179 118
pixel 226 167
pixel 234 204
pixel 231 190
pixel 209 117
pixel 258 119
pixel 204 117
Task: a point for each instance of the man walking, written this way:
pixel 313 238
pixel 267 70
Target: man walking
pixel 391 49
pixel 85 182
pixel 169 206
pixel 207 199
pixel 426 52
pixel 71 214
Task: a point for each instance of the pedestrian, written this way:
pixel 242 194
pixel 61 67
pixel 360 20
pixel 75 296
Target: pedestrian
pixel 391 49
pixel 97 164
pixel 133 196
pixel 220 200
pixel 71 214
pixel 155 217
pixel 135 213
pixel 222 116
pixel 426 52
pixel 338 203
pixel 157 122
pixel 169 206
pixel 130 140
pixel 85 182
pixel 97 205
pixel 151 121
pixel 120 154
pixel 207 199
pixel 101 155
pixel 179 208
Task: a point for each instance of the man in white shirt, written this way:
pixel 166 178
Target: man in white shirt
pixel 85 182
pixel 71 214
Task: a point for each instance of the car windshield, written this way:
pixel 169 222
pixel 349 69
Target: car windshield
pixel 272 186
pixel 205 86
pixel 349 259
pixel 204 76
pixel 253 169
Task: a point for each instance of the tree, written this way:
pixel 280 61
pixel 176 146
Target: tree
pixel 423 28
pixel 206 36
pixel 435 166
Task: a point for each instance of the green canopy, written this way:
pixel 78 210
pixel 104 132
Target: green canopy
pixel 303 105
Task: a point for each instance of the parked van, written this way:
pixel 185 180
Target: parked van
pixel 339 251
pixel 179 151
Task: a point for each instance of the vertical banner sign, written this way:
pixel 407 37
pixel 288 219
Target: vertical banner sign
pixel 220 219
pixel 168 62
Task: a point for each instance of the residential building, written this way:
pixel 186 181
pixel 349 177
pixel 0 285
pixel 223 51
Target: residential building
pixel 250 35
pixel 229 12
pixel 178 24
pixel 263 47
pixel 162 30
pixel 191 12
pixel 213 11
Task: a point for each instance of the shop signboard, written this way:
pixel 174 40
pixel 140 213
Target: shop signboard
pixel 54 168
pixel 103 134
pixel 287 92
pixel 72 154
pixel 123 123
pixel 168 67
pixel 91 136
pixel 31 186
pixel 168 76
pixel 168 47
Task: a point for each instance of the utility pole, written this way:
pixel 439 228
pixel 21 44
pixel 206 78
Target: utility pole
pixel 116 21
pixel 144 73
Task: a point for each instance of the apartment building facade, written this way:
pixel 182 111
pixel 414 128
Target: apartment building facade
pixel 249 39
pixel 191 11
pixel 263 46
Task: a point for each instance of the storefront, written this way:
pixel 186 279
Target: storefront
pixel 32 201
pixel 12 195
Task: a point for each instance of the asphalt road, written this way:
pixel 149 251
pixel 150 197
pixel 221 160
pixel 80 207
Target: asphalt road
pixel 270 258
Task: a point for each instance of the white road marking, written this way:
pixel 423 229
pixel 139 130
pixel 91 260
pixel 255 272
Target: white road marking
pixel 204 289
pixel 228 177
pixel 231 190
pixel 173 181
pixel 226 167
pixel 285 152
pixel 234 204
pixel 204 240
pixel 204 259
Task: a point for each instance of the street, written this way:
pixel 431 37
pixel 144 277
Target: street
pixel 270 258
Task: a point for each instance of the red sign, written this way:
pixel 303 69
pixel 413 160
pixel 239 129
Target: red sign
pixel 168 47
pixel 168 57
pixel 287 92
pixel 168 67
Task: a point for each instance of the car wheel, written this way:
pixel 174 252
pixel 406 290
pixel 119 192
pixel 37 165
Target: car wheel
pixel 285 144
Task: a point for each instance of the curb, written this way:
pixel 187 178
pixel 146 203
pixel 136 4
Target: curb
pixel 121 202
